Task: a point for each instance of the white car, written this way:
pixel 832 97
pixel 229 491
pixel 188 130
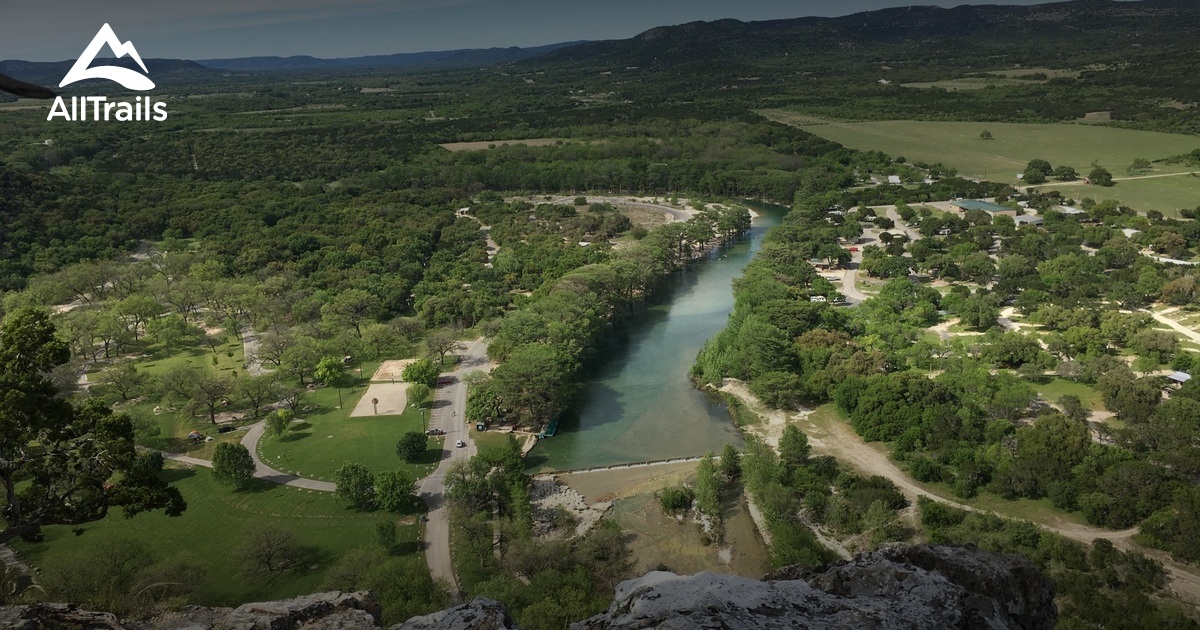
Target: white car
pixel 460 444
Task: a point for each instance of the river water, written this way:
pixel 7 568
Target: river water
pixel 638 403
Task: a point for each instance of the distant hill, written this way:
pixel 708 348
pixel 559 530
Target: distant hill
pixel 50 73
pixel 171 70
pixel 446 58
pixel 932 32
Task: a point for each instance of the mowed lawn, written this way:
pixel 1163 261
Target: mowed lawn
pixel 329 437
pixel 958 144
pixel 1056 388
pixel 210 533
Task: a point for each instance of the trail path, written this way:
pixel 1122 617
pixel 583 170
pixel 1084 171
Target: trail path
pixel 1180 328
pixel 839 440
pixel 1080 182
pixel 250 344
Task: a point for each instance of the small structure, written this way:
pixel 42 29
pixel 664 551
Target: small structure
pixel 962 207
pixel 1179 379
pixel 1028 219
pixel 1129 232
pixel 820 264
pixel 1072 211
pixel 818 299
pixel 894 179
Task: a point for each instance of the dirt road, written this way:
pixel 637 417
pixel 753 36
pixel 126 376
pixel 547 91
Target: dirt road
pixel 839 440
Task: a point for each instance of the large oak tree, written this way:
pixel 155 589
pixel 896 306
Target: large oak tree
pixel 63 463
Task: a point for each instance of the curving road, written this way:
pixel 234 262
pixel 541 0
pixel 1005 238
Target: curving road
pixel 449 412
pixel 261 470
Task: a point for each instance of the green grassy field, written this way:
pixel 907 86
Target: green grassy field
pixel 1166 194
pixel 211 530
pixel 230 358
pixel 1058 387
pixel 957 144
pixel 329 437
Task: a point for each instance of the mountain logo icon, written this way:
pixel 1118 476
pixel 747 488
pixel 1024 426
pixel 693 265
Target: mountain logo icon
pixel 126 77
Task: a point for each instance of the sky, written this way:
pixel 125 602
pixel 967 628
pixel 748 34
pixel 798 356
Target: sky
pixel 57 30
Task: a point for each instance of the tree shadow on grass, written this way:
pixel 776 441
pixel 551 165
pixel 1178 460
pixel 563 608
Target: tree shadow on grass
pixel 175 475
pixel 408 547
pixel 433 454
pixel 297 432
pixel 255 486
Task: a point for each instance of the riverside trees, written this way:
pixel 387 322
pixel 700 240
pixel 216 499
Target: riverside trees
pixel 964 412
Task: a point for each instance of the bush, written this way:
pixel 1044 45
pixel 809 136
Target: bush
pixel 424 371
pixel 394 491
pixel 676 501
pixel 233 465
pixel 411 446
pixel 355 486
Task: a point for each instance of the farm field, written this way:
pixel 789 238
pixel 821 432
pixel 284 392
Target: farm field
pixel 209 533
pixel 957 144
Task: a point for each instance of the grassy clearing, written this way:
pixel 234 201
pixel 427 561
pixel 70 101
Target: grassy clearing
pixel 489 440
pixel 1165 194
pixel 212 529
pixel 660 541
pixel 229 355
pixel 1058 387
pixel 328 437
pixel 958 144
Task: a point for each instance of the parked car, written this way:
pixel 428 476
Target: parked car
pixel 460 444
pixel 225 429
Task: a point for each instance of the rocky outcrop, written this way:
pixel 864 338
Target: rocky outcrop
pixel 478 614
pixel 896 586
pixel 322 611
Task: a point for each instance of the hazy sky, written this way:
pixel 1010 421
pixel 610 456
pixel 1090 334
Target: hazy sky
pixel 55 30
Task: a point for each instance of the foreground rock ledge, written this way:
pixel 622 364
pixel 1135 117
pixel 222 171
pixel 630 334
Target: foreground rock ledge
pixel 896 586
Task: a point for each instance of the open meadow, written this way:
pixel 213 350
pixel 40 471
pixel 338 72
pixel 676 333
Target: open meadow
pixel 212 530
pixel 958 145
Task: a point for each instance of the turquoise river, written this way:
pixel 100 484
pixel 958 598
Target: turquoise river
pixel 638 402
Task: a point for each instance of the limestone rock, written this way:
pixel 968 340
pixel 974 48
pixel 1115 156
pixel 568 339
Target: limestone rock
pixel 56 616
pixel 478 614
pixel 898 586
pixel 322 611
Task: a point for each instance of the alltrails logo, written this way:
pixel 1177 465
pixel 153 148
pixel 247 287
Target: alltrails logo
pixel 101 108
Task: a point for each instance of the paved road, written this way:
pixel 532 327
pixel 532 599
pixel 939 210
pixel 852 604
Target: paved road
pixel 261 470
pixel 449 411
